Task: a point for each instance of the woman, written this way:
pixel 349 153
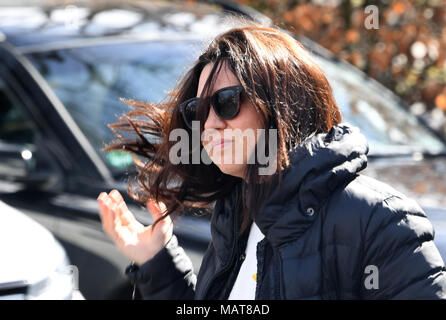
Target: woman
pixel 312 228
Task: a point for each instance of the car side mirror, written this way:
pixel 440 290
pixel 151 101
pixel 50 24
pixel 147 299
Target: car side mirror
pixel 19 164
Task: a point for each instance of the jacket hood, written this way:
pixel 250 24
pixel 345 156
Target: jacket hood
pixel 318 166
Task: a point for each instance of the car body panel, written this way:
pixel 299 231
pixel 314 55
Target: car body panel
pixel 31 260
pixel 418 178
pixel 15 227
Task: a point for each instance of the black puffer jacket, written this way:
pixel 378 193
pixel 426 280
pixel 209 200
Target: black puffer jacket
pixel 330 233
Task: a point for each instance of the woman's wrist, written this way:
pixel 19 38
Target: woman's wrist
pixel 151 254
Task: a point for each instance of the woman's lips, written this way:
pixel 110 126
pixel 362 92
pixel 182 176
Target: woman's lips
pixel 220 144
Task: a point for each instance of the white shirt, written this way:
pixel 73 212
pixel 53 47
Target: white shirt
pixel 245 285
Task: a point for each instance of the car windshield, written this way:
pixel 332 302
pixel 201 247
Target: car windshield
pixel 90 80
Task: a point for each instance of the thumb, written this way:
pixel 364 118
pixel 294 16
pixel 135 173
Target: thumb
pixel 157 209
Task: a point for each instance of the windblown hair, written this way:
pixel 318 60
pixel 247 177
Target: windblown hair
pixel 279 78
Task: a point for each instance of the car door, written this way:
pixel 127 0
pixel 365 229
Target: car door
pixel 38 174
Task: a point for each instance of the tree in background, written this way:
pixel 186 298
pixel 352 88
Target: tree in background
pixel 406 53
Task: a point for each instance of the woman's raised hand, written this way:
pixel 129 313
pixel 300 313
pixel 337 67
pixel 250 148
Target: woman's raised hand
pixel 136 241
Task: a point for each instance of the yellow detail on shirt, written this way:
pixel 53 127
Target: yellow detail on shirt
pixel 255 277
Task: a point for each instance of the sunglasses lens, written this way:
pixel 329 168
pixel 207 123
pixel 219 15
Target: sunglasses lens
pixel 226 103
pixel 190 112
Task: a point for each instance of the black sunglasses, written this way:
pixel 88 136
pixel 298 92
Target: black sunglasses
pixel 225 102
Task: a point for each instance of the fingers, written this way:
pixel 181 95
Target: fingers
pixel 117 198
pixel 122 212
pixel 158 209
pixel 115 214
pixel 116 217
pixel 107 215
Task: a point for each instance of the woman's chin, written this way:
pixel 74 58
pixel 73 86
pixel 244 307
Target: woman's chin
pixel 235 170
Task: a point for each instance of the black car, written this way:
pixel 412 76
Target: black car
pixel 63 70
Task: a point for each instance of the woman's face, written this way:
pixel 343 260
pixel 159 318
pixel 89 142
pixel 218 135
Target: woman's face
pixel 226 146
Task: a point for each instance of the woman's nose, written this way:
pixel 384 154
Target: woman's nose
pixel 213 121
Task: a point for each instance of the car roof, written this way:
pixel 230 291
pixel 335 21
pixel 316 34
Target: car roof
pixel 48 23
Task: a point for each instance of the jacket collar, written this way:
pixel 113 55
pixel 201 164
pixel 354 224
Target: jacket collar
pixel 318 166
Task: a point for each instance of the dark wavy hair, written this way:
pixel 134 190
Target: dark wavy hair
pixel 279 78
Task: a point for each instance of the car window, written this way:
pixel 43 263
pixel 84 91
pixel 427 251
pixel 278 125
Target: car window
pixel 15 128
pixel 388 127
pixel 90 80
